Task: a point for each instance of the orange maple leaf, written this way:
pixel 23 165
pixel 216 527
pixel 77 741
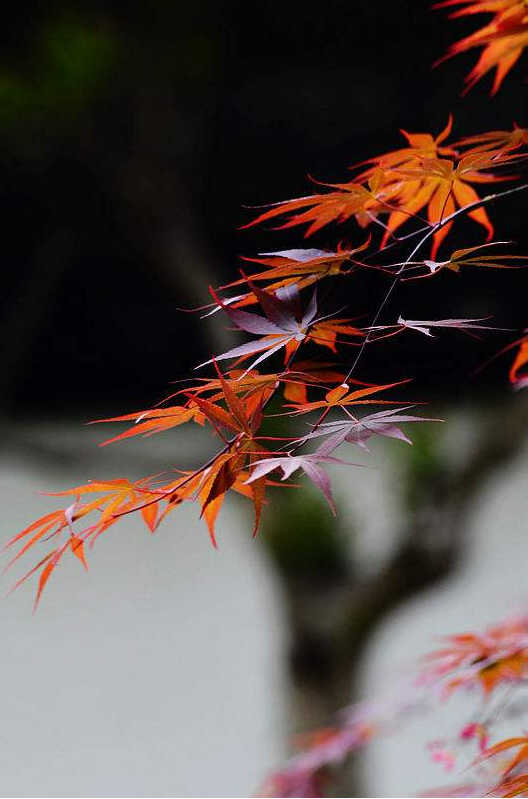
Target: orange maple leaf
pixel 399 184
pixel 469 256
pixel 494 140
pixel 443 185
pixel 497 657
pixel 155 420
pixel 503 38
pixel 351 199
pixel 516 375
pixel 521 744
pixel 326 333
pixel 342 396
pixel 119 496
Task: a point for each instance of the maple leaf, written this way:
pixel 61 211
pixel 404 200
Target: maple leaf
pixel 238 417
pixel 229 471
pixel 521 744
pixel 217 480
pixel 46 526
pixel 288 266
pixel 466 257
pixel 155 420
pixel 118 496
pixel 424 325
pixel 342 396
pixel 426 174
pixel 400 184
pixel 304 267
pixel 499 656
pixel 257 388
pixel 153 499
pixel 284 323
pixel 494 140
pixel 409 196
pixel 443 185
pixel 306 774
pixel 225 470
pixel 421 145
pixel 297 378
pixel 326 333
pixel 358 431
pixel 337 206
pixel 513 786
pixel 503 39
pixel 309 465
pixel 516 375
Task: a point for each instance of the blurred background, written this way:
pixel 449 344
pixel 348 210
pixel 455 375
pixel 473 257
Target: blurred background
pixel 131 138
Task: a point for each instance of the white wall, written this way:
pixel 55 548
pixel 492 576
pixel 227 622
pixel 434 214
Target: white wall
pixel 161 672
pixel 158 673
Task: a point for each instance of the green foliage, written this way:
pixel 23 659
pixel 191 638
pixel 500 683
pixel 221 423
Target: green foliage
pixel 304 539
pixel 420 465
pixel 66 72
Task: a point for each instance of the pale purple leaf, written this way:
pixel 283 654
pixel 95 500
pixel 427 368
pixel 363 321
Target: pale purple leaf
pixel 311 309
pixel 279 311
pixel 261 468
pixel 383 423
pixel 249 349
pixel 267 354
pixel 252 323
pixel 221 307
pixel 318 476
pixel 422 326
pixel 301 255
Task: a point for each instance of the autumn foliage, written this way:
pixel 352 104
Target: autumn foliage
pixel 502 39
pixel 487 666
pixel 400 211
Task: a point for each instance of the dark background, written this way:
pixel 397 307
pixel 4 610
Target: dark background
pixel 131 136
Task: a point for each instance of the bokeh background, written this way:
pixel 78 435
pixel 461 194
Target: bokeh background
pixel 131 138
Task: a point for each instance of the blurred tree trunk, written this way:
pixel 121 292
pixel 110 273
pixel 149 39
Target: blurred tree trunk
pixel 333 617
pixel 25 317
